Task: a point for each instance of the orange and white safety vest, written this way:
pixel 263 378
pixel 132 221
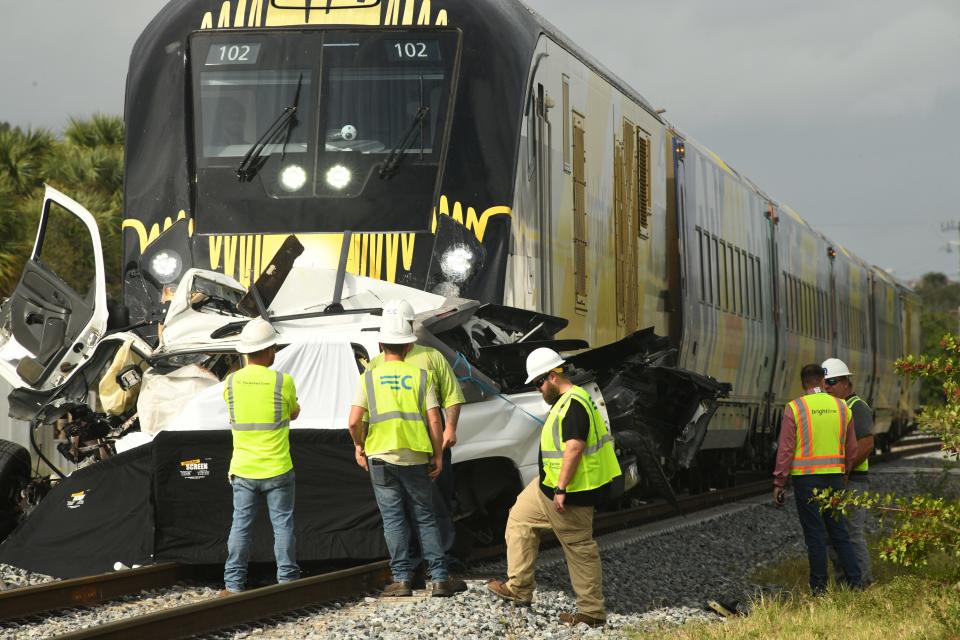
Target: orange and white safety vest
pixel 822 422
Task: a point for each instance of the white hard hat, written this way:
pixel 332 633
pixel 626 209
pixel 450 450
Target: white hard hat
pixel 834 368
pixel 394 328
pixel 540 361
pixel 404 307
pixel 257 335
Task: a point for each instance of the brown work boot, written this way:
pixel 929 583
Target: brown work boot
pixel 398 590
pixel 448 587
pixel 505 592
pixel 580 618
pixel 226 592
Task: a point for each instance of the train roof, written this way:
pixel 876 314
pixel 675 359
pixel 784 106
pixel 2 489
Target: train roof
pixel 548 28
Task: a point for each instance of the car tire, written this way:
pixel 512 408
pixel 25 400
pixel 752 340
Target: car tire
pixel 14 474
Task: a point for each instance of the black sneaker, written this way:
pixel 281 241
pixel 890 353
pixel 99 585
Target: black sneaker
pixel 449 587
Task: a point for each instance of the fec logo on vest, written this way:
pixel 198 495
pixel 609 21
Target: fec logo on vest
pixel 395 383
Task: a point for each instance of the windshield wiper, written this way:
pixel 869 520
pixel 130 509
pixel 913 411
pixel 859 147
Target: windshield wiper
pixel 287 120
pixel 398 152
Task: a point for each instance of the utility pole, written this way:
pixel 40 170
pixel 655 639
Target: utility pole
pixel 946 227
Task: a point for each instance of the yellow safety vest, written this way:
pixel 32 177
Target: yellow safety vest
pixel 598 464
pixel 260 422
pixel 852 400
pixel 396 402
pixel 821 434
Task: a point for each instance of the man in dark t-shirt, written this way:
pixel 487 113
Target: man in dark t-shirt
pixel 838 384
pixel 575 426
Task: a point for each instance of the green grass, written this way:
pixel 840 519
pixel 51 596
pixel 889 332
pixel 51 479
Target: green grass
pixel 903 603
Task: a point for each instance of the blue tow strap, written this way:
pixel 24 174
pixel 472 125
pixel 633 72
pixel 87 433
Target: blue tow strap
pixel 487 389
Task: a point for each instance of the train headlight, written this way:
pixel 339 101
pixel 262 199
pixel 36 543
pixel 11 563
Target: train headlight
pixel 457 263
pixel 293 177
pixel 338 177
pixel 166 266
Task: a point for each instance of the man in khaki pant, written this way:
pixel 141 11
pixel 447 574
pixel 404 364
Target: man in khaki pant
pixel 577 462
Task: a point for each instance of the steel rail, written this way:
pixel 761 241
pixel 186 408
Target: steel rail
pixel 77 592
pixel 222 613
pixel 219 613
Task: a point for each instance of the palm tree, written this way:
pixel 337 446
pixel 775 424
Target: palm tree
pixel 86 164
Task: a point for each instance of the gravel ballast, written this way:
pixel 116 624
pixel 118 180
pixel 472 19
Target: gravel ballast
pixel 663 574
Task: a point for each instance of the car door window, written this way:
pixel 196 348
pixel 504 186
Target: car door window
pixel 65 250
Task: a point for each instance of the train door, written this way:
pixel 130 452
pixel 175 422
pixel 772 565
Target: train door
pixel 543 167
pixel 776 320
pixel 873 307
pixel 834 324
pixel 678 277
pixel 530 276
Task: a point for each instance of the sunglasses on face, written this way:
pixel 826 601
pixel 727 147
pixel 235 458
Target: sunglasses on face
pixel 539 381
pixel 832 381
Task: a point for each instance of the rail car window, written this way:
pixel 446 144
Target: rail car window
pixel 715 279
pixel 704 251
pixel 566 124
pixel 644 183
pixel 580 210
pixel 757 289
pixel 731 280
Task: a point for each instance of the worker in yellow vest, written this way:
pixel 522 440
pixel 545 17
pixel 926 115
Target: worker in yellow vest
pixel 838 384
pixel 261 403
pixel 402 448
pixel 450 397
pixel 577 463
pixel 816 450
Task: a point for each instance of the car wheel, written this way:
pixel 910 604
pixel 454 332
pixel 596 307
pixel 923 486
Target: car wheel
pixel 14 476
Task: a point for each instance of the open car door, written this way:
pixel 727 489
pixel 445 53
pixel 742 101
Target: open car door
pixel 58 312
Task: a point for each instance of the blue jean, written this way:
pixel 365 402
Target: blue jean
pixel 442 497
pixel 397 488
pixel 279 494
pixel 857 527
pixel 819 526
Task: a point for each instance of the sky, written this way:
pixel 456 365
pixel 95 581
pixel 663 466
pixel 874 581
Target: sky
pixel 846 111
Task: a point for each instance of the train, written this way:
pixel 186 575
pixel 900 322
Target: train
pixel 585 201
pixel 473 152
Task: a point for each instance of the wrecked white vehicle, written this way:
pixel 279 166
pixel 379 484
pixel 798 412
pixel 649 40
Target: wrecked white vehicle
pixel 150 426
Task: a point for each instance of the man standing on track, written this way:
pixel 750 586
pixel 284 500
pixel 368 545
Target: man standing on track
pixel 838 384
pixel 577 463
pixel 261 404
pixel 816 450
pixel 403 451
pixel 450 397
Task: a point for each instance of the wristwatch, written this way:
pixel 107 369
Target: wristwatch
pixel 560 491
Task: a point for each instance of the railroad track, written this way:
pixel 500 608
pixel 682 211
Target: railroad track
pixel 257 604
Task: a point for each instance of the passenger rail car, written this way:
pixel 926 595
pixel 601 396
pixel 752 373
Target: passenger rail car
pixel 472 150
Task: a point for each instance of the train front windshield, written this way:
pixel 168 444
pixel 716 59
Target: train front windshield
pixel 320 131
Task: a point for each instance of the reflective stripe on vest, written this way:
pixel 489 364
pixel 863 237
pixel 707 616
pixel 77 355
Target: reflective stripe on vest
pixel 598 463
pixel 259 422
pixel 278 420
pixel 822 422
pixel 864 466
pixel 397 415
